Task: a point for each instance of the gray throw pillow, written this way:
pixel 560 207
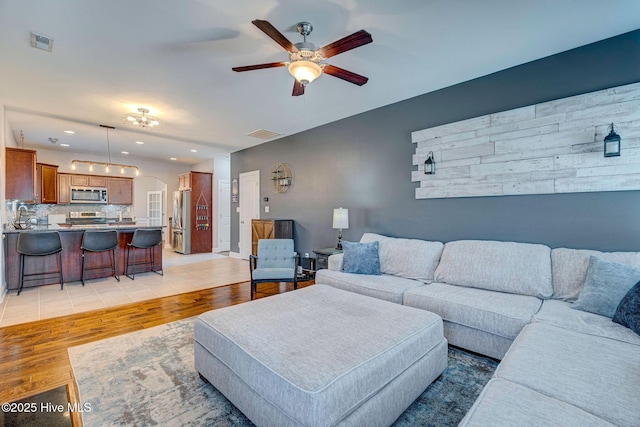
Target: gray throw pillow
pixel 605 286
pixel 361 258
pixel 628 312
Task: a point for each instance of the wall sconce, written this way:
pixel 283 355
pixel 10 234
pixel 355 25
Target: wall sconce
pixel 611 143
pixel 430 164
pixel 234 190
pixel 340 222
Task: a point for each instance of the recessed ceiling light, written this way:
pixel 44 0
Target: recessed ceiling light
pixel 140 142
pixel 124 152
pixel 70 132
pixel 194 151
pixel 64 145
pixel 172 158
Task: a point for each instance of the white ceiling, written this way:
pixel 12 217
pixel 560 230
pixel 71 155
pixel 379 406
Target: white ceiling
pixel 175 57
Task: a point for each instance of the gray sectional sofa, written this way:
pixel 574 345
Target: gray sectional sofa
pixel 513 301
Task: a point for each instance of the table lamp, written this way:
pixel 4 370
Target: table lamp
pixel 340 222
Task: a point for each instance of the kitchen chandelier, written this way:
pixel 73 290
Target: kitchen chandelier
pixel 106 165
pixel 143 120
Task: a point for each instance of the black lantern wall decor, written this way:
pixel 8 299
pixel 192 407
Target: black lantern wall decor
pixel 430 164
pixel 611 143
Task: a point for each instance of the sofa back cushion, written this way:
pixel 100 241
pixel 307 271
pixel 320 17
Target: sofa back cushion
pixel 570 266
pixel 517 268
pixel 408 258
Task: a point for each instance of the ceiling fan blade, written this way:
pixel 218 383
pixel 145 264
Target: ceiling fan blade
pixel 357 39
pixel 276 35
pixel 343 74
pixel 298 88
pixel 259 66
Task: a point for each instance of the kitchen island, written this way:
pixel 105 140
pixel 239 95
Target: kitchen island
pixel 71 237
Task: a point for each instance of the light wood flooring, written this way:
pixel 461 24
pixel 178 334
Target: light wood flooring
pixel 33 355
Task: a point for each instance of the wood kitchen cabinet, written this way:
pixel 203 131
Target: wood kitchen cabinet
pixel 269 229
pixel 46 183
pixel 64 188
pixel 20 178
pixel 89 181
pixel 184 181
pixel 119 191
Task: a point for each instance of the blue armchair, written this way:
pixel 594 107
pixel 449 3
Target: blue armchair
pixel 276 262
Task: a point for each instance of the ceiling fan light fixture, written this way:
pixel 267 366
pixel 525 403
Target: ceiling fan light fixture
pixel 305 71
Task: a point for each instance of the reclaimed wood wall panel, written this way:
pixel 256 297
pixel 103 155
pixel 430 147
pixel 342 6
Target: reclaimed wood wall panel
pixel 551 147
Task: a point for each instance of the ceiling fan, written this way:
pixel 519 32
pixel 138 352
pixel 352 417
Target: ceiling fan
pixel 305 60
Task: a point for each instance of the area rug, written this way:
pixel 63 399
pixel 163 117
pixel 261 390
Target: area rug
pixel 148 378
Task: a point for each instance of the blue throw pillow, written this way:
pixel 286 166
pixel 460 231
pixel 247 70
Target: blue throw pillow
pixel 606 284
pixel 361 258
pixel 628 312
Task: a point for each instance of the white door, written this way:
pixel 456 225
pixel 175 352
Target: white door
pixel 249 209
pixel 154 208
pixel 224 215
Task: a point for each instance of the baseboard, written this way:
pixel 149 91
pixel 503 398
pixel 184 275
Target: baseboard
pixel 234 255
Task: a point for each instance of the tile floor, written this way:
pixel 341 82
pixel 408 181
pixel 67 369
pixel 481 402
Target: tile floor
pixel 182 273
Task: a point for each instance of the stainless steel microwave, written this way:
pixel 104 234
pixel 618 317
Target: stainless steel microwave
pixel 88 195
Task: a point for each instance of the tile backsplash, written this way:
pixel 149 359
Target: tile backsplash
pixel 42 211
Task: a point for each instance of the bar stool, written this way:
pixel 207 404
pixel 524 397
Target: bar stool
pixel 100 241
pixel 143 239
pixel 39 244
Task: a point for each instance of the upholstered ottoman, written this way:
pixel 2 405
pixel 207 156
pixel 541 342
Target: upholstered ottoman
pixel 320 356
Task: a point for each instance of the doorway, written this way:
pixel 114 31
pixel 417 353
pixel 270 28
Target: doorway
pixel 249 209
pixel 154 208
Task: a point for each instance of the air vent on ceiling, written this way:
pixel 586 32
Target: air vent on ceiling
pixel 41 42
pixel 263 134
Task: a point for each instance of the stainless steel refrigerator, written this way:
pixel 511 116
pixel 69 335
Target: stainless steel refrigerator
pixel 181 222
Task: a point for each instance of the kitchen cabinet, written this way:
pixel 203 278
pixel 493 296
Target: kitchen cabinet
pixel 89 181
pixel 269 229
pixel 20 178
pixel 119 191
pixel 64 188
pixel 184 181
pixel 46 183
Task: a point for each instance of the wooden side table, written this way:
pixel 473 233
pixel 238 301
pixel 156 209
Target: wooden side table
pixel 323 255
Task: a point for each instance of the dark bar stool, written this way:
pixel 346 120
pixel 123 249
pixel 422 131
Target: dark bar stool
pixel 143 239
pixel 39 244
pixel 100 241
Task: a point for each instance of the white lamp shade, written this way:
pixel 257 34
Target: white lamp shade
pixel 305 71
pixel 341 218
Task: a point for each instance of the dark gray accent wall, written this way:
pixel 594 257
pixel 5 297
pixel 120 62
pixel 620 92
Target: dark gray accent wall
pixel 364 163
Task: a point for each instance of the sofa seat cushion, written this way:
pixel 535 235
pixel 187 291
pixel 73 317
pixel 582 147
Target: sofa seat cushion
pixel 518 268
pixel 560 313
pixel 498 313
pixel 409 258
pixel 570 268
pixel 596 374
pixel 503 403
pixel 385 287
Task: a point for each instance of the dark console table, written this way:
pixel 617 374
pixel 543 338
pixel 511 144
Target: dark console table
pixel 323 255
